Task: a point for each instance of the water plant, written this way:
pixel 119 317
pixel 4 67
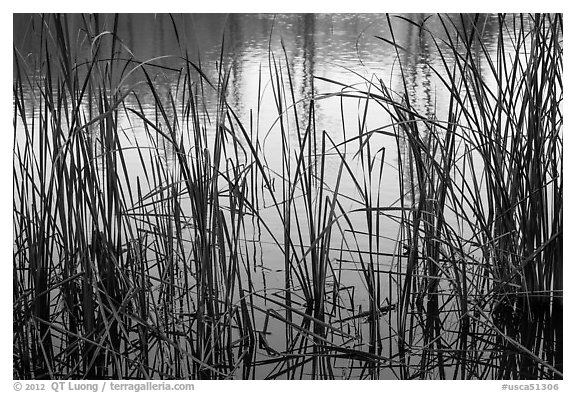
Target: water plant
pixel 146 213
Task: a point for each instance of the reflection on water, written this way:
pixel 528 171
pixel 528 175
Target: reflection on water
pixel 249 48
pixel 324 45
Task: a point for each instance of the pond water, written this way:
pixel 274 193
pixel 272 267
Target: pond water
pixel 311 50
pixel 314 47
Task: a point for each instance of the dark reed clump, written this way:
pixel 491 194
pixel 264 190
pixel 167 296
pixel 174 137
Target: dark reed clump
pixel 486 283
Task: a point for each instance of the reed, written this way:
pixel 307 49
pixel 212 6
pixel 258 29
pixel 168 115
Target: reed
pixel 143 256
pixel 494 167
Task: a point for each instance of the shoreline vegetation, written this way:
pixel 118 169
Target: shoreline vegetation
pixel 156 275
